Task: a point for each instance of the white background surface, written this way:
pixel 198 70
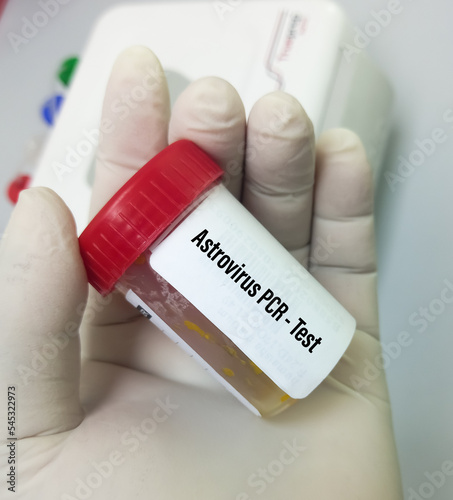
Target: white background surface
pixel 415 238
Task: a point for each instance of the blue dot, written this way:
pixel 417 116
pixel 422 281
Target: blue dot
pixel 50 109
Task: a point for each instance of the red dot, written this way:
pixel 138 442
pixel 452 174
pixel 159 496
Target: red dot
pixel 20 183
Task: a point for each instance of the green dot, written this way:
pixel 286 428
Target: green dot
pixel 66 70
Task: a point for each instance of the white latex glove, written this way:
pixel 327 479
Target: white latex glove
pixel 148 423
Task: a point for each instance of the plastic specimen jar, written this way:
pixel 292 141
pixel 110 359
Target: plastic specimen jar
pixel 197 264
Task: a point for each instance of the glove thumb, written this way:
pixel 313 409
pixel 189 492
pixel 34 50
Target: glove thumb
pixel 43 291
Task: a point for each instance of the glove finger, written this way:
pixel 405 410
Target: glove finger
pixel 342 252
pixel 279 170
pixel 210 113
pixel 42 293
pixel 136 110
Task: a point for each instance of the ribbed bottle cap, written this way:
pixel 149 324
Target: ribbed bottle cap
pixel 142 209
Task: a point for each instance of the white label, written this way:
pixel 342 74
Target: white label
pixel 245 282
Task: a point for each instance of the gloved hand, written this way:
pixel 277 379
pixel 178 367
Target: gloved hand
pixel 137 418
